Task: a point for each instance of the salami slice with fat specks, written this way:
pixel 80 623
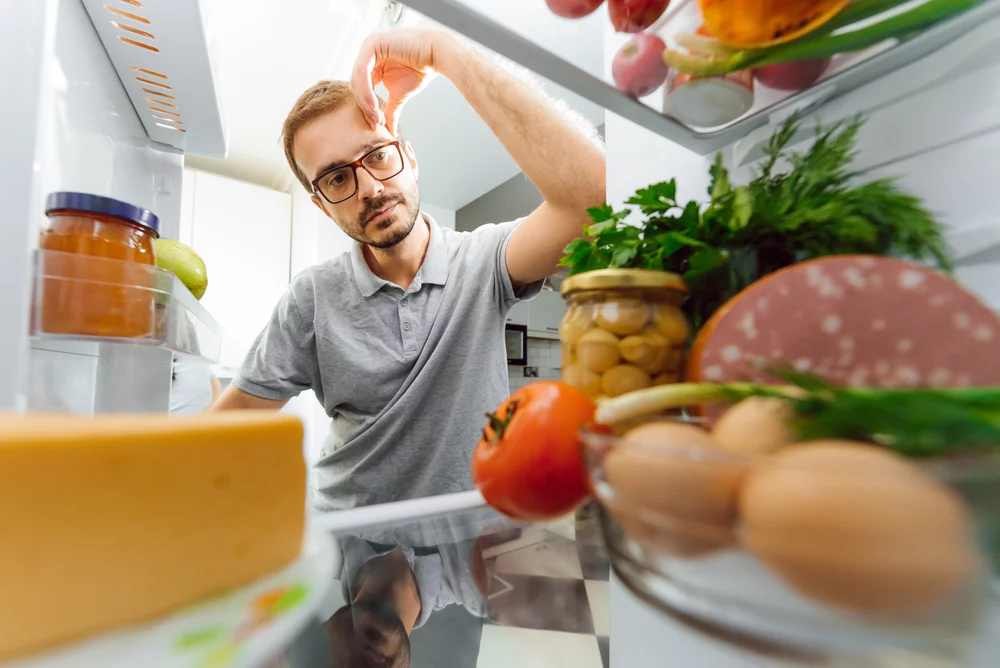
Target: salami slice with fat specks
pixel 857 321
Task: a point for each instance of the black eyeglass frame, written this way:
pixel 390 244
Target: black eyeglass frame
pixel 360 162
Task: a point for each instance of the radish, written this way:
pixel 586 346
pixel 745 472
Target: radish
pixel 573 9
pixel 635 15
pixel 638 68
pixel 792 76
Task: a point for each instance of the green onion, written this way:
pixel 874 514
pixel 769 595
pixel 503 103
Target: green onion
pixel 915 423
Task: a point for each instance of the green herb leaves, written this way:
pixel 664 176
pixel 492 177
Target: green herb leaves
pixel 797 206
pixel 914 423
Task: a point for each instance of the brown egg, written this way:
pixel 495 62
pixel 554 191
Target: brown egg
pixel 623 316
pixel 755 426
pixel 857 527
pixel 672 324
pixel 598 350
pixel 624 378
pixel 582 378
pixel 674 502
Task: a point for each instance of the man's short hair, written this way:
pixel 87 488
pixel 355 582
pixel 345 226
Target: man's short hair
pixel 323 98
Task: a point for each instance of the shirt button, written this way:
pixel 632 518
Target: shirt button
pixel 406 326
pixel 404 302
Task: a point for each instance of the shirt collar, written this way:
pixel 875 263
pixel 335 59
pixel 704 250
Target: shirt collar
pixel 433 270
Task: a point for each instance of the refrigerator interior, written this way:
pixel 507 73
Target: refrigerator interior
pixel 79 131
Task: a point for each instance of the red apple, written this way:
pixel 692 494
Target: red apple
pixel 638 68
pixel 792 76
pixel 573 9
pixel 635 15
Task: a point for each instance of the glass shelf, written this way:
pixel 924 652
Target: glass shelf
pixel 81 302
pixel 846 73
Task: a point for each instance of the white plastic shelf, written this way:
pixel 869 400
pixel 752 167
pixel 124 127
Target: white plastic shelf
pixel 161 54
pixel 850 73
pixel 80 302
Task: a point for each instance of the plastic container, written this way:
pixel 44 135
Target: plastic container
pixel 623 330
pixel 684 532
pixel 105 299
pixel 708 101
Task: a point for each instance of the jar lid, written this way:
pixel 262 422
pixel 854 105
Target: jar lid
pixel 67 201
pixel 624 278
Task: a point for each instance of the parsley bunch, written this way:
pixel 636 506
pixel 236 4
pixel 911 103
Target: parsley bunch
pixel 814 208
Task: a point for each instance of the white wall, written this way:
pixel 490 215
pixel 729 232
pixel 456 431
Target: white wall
pixel 444 217
pixel 315 238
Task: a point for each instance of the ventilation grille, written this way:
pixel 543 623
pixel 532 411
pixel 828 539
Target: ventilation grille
pixel 160 52
pixel 136 30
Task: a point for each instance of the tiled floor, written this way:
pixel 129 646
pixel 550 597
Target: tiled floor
pixel 508 647
pixel 548 596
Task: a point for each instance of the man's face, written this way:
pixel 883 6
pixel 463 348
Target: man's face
pixel 367 634
pixel 381 213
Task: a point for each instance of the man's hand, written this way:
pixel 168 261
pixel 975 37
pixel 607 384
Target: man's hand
pixel 404 61
pixel 557 150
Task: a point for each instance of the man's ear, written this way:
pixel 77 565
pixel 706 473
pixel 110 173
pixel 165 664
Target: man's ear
pixel 411 157
pixel 319 205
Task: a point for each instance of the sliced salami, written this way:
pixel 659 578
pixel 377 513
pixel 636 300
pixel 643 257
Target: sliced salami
pixel 855 320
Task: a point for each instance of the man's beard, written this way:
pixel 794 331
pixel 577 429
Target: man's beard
pixel 410 215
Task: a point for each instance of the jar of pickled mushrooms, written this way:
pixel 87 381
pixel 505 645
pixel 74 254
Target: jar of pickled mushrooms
pixel 623 330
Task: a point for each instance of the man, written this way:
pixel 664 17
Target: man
pixel 383 607
pixel 402 338
pixel 391 588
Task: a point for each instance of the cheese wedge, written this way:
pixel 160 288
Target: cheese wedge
pixel 112 520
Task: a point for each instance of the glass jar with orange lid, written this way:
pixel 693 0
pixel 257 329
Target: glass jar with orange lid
pixel 623 330
pixel 95 273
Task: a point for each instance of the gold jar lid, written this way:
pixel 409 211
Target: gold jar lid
pixel 603 279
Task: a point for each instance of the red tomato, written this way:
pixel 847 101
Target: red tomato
pixel 529 463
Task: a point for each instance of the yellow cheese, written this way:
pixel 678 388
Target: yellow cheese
pixel 113 520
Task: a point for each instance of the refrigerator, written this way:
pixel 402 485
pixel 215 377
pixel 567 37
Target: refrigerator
pixel 78 117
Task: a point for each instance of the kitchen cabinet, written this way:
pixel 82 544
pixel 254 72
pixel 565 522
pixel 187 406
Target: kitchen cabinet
pixel 243 232
pixel 518 314
pixel 545 312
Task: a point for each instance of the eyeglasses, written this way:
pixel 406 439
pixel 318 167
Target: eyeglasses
pixel 341 182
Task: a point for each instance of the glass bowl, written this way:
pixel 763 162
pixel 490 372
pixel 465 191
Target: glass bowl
pixel 816 554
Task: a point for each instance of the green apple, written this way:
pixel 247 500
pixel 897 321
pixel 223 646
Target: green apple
pixel 187 265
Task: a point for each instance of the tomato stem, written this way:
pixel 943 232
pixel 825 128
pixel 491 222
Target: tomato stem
pixel 499 425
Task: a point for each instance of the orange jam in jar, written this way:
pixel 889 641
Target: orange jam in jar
pixel 98 281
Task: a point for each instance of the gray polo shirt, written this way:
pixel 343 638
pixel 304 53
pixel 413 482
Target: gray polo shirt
pixel 405 376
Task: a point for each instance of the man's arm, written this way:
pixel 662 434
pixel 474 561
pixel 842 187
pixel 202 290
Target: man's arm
pixel 557 150
pixel 233 398
pixel 560 152
pixel 216 389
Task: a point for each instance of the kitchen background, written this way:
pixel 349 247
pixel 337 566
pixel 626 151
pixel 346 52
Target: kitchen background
pixel 256 227
pixel 254 224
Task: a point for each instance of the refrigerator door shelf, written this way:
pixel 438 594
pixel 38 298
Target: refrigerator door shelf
pixel 81 301
pixel 848 72
pixel 162 57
